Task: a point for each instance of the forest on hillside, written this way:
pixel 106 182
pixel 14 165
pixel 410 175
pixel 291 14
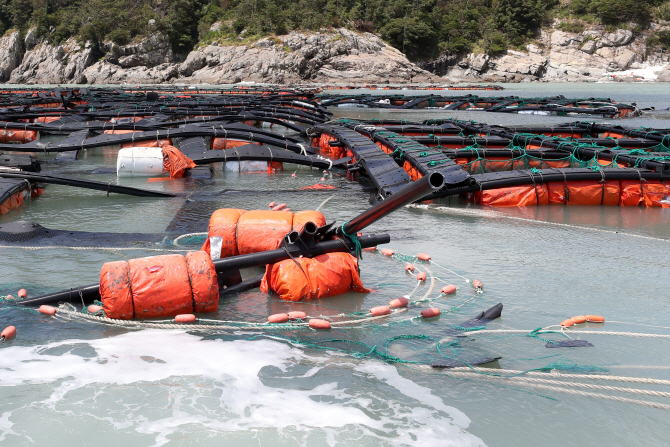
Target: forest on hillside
pixel 422 29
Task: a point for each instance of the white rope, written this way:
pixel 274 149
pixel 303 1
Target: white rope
pixel 71 313
pixel 570 331
pixel 58 247
pixel 324 202
pixel 556 374
pixel 533 380
pixel 450 271
pixel 326 159
pixel 303 151
pixel 176 241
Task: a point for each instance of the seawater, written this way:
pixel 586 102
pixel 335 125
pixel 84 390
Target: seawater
pixel 78 383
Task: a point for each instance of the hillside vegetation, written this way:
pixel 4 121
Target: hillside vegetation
pixel 422 29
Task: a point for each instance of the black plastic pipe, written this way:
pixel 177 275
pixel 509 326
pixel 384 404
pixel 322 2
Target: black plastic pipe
pixel 89 293
pixel 410 193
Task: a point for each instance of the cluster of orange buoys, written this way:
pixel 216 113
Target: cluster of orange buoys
pixel 10 331
pixel 581 319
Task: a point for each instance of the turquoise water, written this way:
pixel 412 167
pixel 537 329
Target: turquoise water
pixel 78 383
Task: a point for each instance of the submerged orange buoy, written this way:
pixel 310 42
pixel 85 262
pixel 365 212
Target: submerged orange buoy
pixel 279 207
pixel 8 333
pixel 278 318
pixel 22 294
pixel 477 284
pixel 370 249
pixel 448 289
pixel 184 318
pixel 47 310
pixel 297 315
pixel 568 323
pixel 423 256
pixel 94 308
pixel 595 318
pixel 387 252
pixel 430 313
pixel 399 302
pixel 580 319
pixel 9 298
pixel 409 268
pixel 421 276
pixel 316 323
pixel 380 310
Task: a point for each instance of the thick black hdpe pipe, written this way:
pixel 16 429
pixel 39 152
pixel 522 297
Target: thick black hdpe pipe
pixel 81 183
pixel 584 152
pixel 411 193
pixel 87 294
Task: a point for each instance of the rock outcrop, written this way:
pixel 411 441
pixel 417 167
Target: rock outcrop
pixel 49 64
pixel 10 54
pixel 340 56
pixel 591 55
pixel 335 56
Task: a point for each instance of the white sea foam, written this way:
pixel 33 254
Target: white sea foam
pixel 152 387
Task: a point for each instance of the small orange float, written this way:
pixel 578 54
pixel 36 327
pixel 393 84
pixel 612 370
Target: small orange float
pixel 430 313
pixel 448 289
pixel 399 302
pixel 47 310
pixel 7 333
pixel 421 276
pixel 316 323
pixel 380 310
pixel 409 268
pixel 184 318
pixel 278 318
pixel 423 257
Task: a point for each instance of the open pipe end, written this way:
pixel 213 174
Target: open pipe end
pixel 436 180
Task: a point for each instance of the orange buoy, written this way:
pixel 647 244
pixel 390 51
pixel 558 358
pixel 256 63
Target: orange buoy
pixel 387 252
pixel 9 298
pixel 595 318
pixel 278 318
pixel 22 294
pixel 399 302
pixel 409 268
pixel 370 249
pixel 271 205
pixel 477 284
pixel 315 323
pixel 279 207
pixel 293 175
pixel 448 289
pixel 296 315
pixel 94 308
pixel 323 179
pixel 47 310
pixel 380 310
pixel 423 257
pixel 568 323
pixel 184 318
pixel 430 313
pixel 580 319
pixel 8 333
pixel 421 276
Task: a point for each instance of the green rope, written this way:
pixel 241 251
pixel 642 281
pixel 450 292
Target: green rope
pixel 353 238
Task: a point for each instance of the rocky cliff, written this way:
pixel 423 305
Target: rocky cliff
pixel 591 55
pixel 330 56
